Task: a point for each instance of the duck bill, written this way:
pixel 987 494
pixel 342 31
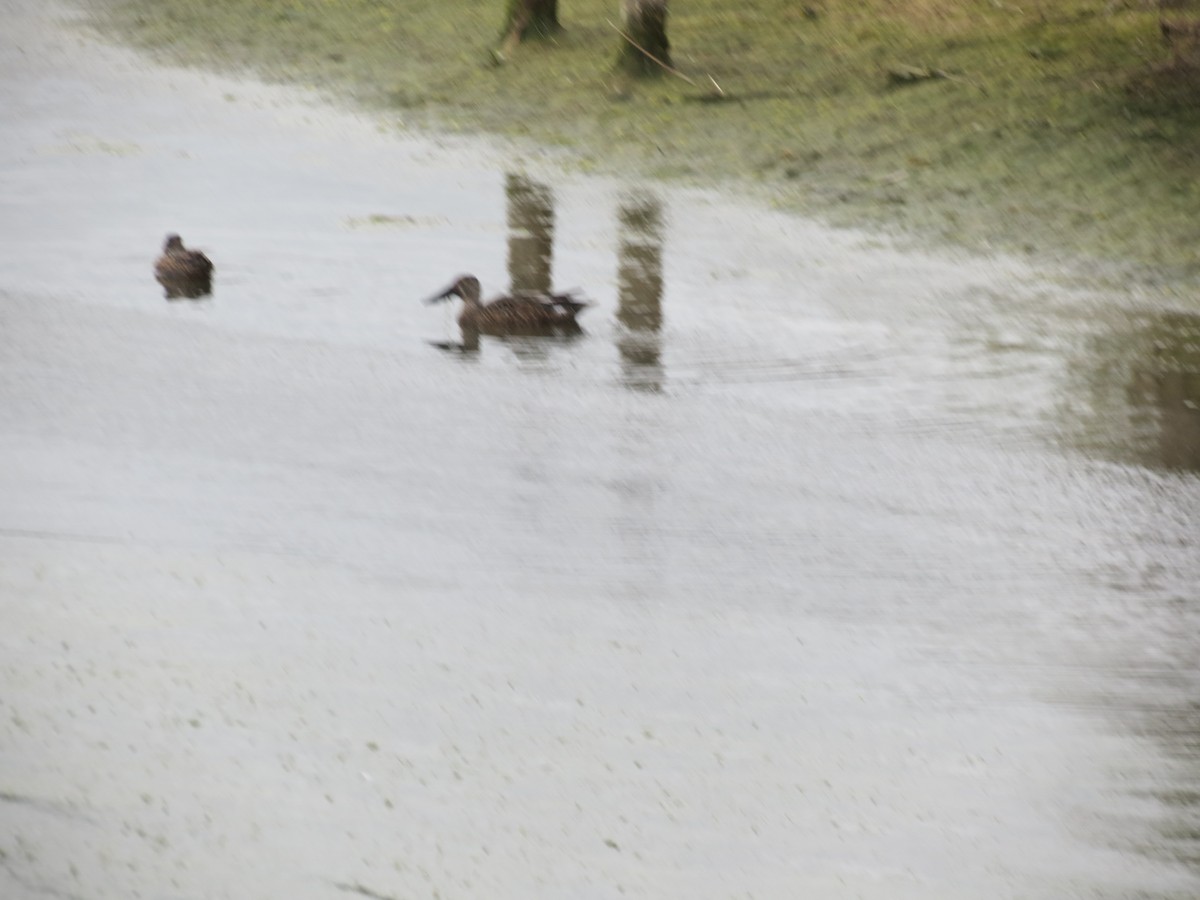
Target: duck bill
pixel 444 295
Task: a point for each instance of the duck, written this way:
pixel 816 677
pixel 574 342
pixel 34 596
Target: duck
pixel 519 313
pixel 183 272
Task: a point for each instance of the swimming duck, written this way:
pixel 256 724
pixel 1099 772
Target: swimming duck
pixel 183 272
pixel 520 313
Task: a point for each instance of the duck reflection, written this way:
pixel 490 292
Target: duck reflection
pixel 639 293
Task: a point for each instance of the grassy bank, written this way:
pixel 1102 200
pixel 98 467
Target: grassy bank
pixel 1057 128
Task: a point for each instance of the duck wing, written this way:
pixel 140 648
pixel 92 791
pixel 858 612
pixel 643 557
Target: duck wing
pixel 198 263
pixel 189 264
pixel 556 302
pixel 520 301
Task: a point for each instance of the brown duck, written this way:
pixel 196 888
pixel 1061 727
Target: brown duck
pixel 183 272
pixel 520 313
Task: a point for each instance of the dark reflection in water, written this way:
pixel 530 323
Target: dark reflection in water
pixel 639 293
pixel 534 350
pixel 187 289
pixel 1155 695
pixel 1134 398
pixel 530 234
pixel 531 219
pixel 1178 729
pixel 468 346
pixel 1165 389
pixel 1143 384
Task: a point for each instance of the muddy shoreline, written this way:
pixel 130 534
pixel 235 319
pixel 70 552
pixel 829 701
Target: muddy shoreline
pixel 1054 136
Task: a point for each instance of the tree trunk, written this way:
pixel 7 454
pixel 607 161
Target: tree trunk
pixel 644 46
pixel 528 18
pixel 1181 29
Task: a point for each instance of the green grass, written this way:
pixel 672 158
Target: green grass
pixel 1060 130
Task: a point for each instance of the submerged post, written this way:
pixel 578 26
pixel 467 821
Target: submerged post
pixel 645 50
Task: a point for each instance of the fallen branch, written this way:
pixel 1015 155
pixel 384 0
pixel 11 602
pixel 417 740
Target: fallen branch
pixel 654 59
pixel 903 75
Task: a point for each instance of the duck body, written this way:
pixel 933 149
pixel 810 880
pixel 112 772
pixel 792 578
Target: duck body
pixel 520 313
pixel 183 272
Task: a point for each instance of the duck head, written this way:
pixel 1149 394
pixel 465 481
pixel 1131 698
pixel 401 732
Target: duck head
pixel 173 243
pixel 465 286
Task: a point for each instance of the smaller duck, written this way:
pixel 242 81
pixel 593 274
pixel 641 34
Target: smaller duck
pixel 521 313
pixel 183 272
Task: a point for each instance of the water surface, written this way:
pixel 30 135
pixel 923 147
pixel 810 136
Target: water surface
pixel 815 567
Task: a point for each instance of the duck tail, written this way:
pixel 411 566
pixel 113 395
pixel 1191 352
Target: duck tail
pixel 570 301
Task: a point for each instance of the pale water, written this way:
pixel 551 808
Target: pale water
pixel 814 568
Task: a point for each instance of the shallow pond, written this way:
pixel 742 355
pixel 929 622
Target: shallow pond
pixel 814 567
